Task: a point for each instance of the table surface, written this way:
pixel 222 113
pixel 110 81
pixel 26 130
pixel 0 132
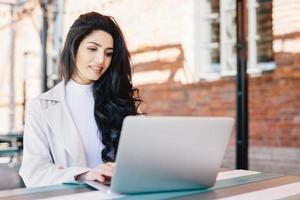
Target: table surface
pixel 234 185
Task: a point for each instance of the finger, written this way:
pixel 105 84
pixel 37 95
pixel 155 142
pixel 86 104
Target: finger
pixel 108 173
pixel 105 170
pixel 101 179
pixel 99 176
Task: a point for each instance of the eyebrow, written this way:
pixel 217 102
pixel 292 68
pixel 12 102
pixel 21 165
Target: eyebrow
pixel 99 45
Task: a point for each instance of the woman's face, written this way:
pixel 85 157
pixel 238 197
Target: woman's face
pixel 93 57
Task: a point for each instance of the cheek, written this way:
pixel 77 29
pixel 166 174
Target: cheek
pixel 107 62
pixel 80 61
pixel 84 57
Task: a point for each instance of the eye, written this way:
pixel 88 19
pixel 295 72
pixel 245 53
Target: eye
pixel 92 48
pixel 109 54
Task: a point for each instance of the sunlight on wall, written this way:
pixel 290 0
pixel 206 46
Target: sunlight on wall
pixel 168 55
pixel 155 76
pixel 285 19
pixel 287 45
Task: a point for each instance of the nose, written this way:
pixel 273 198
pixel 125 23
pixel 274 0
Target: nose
pixel 100 58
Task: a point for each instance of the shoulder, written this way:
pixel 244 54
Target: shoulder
pixel 53 95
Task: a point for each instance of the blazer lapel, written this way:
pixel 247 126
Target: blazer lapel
pixel 60 121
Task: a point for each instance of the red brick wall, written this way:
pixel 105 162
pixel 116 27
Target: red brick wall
pixel 274 96
pixel 274 102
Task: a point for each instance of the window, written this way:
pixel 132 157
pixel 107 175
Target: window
pixel 217 38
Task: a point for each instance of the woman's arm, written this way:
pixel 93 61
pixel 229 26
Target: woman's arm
pixel 37 168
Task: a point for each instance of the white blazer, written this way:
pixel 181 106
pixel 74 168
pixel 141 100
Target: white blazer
pixel 53 151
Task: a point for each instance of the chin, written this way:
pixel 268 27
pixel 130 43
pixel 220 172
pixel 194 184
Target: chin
pixel 95 78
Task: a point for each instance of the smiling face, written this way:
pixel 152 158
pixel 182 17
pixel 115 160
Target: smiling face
pixel 93 57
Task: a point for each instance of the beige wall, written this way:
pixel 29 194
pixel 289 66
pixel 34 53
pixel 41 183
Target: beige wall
pixel 26 40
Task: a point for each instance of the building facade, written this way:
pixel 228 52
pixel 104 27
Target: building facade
pixel 184 59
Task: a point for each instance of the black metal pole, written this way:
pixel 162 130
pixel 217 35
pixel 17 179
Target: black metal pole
pixel 242 88
pixel 44 45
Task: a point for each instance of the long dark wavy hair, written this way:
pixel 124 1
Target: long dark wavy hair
pixel 115 97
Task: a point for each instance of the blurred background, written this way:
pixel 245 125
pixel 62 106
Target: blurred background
pixel 185 61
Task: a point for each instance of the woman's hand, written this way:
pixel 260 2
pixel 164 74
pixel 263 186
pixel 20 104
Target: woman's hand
pixel 101 173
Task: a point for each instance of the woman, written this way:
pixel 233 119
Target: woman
pixel 72 131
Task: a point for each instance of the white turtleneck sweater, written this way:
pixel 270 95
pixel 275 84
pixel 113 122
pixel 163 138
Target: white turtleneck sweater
pixel 81 105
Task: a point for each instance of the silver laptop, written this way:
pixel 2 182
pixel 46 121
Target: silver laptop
pixel 169 153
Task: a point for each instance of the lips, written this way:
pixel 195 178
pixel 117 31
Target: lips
pixel 96 69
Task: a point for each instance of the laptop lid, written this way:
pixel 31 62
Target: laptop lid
pixel 170 153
